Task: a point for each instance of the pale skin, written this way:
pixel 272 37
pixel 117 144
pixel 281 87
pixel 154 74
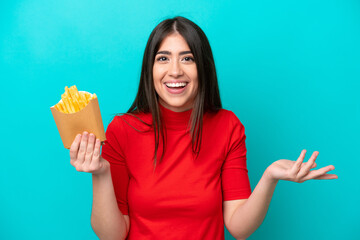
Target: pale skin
pixel 241 217
pixel 107 220
pixel 175 62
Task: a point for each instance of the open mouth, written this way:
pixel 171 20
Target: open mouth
pixel 176 85
pixel 176 88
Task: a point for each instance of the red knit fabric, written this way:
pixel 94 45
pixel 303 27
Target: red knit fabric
pixel 182 197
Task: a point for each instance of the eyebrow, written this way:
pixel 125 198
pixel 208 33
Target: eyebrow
pixel 169 53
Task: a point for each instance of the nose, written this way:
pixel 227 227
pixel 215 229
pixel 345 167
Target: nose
pixel 175 69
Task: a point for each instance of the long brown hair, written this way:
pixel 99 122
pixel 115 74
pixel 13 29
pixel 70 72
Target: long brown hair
pixel 208 96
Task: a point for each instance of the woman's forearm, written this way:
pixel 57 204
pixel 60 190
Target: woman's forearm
pixel 107 220
pixel 249 216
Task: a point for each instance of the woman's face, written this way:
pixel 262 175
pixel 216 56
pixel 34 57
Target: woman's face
pixel 175 74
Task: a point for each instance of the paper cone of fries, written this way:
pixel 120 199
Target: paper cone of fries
pixel 75 113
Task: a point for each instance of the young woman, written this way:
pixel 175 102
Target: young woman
pixel 174 166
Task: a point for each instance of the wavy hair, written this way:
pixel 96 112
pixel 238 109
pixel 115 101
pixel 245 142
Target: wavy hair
pixel 208 96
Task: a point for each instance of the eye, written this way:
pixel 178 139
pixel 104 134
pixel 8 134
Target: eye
pixel 188 59
pixel 161 59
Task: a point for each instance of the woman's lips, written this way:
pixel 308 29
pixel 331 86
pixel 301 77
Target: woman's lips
pixel 176 90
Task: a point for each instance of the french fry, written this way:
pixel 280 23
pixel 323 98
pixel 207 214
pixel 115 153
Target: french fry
pixel 76 97
pixel 73 109
pixel 88 97
pixel 67 91
pixel 71 92
pixel 76 112
pixel 75 105
pixel 83 98
pixel 61 106
pixel 67 105
pixel 73 101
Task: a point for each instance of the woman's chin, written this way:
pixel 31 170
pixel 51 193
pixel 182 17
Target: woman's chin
pixel 176 106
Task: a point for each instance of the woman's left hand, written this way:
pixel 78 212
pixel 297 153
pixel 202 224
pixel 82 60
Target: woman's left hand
pixel 297 171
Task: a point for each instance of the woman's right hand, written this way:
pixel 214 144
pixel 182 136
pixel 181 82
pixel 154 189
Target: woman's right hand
pixel 85 154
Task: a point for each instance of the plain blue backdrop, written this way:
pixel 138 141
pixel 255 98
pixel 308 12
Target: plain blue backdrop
pixel 290 70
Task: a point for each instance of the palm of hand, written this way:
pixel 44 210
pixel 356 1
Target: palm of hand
pixel 297 171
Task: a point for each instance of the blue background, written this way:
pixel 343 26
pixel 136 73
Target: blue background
pixel 290 70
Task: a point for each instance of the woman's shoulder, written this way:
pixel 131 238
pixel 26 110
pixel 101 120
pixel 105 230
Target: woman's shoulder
pixel 223 118
pixel 222 114
pixel 137 120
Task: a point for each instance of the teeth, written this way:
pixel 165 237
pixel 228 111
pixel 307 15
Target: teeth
pixel 183 84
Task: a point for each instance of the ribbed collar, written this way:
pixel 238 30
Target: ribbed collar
pixel 175 120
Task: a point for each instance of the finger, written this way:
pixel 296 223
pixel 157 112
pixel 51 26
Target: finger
pixel 89 149
pixel 306 168
pixel 74 149
pixel 317 173
pixel 96 154
pixel 296 167
pixel 314 165
pixel 95 162
pixel 82 150
pixel 327 176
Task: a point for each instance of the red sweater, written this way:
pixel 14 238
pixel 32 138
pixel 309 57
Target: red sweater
pixel 182 198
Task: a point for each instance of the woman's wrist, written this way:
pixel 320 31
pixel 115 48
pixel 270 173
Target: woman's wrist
pixel 268 176
pixel 104 169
